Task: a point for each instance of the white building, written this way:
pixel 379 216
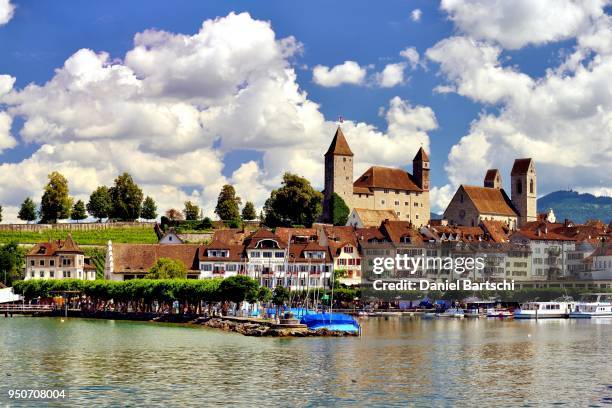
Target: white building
pixel 58 260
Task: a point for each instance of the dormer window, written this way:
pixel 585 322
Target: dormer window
pixel 405 240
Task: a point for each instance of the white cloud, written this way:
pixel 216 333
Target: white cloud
pixel 347 73
pixel 171 109
pixel 7 141
pixel 416 14
pixel 562 119
pixel 412 55
pixel 439 197
pixel 6 11
pixel 516 23
pixel 392 75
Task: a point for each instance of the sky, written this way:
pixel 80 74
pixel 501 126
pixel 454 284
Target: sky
pixel 187 96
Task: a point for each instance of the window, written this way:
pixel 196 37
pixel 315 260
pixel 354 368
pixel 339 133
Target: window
pixel 416 204
pixel 170 238
pixel 255 254
pixel 348 249
pixel 531 186
pixel 461 198
pixel 51 274
pixel 397 191
pixel 279 254
pixel 519 187
pixel 32 262
pixel 42 274
pixel 267 254
pixel 65 262
pixel 397 213
pixel 382 202
pixel 32 274
pixel 41 262
pixel 207 267
pixel 397 203
pixel 231 267
pixel 386 191
pixel 52 262
pixel 416 216
pixel 406 203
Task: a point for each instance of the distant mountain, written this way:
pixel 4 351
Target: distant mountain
pixel 434 216
pixel 576 207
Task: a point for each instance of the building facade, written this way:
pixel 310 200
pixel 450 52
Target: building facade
pixel 58 260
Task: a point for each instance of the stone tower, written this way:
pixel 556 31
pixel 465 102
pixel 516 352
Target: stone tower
pixel 493 179
pixel 420 169
pixel 524 192
pixel 338 172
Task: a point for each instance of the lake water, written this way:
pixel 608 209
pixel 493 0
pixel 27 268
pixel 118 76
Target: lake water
pixel 397 361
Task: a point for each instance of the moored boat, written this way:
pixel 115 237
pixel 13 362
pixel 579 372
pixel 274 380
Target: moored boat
pixel 500 313
pixel 331 321
pixel 543 310
pixel 455 312
pixel 593 305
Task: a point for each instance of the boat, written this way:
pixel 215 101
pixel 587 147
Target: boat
pixel 455 312
pixel 472 313
pixel 500 313
pixel 331 321
pixel 592 305
pixel 544 310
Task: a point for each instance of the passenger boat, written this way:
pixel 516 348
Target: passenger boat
pixel 472 313
pixel 593 305
pixel 500 313
pixel 452 312
pixel 544 310
pixel 331 321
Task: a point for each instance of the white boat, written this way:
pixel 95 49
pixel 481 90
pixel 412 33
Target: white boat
pixel 500 313
pixel 593 305
pixel 452 312
pixel 472 312
pixel 544 310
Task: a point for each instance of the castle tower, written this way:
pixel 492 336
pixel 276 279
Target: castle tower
pixel 493 179
pixel 524 193
pixel 420 169
pixel 338 172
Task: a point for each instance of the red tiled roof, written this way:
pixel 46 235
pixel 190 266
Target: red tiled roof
pixel 51 248
pixel 490 200
pixel 386 178
pixel 396 230
pixel 262 234
pixel 497 230
pixel 339 145
pixel 141 257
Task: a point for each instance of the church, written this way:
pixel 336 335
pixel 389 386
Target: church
pixel 472 204
pixel 378 188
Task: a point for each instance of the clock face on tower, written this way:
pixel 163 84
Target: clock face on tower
pixel 425 165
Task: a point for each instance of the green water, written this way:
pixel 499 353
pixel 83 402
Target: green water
pixel 398 361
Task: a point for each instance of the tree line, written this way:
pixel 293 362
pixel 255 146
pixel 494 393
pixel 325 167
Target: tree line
pixel 295 203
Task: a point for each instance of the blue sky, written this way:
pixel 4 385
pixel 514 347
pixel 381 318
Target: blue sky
pixel 41 36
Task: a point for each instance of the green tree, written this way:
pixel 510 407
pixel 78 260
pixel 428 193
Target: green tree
pixel 264 294
pixel 27 212
pixel 191 211
pixel 228 205
pixel 12 262
pixel 0 213
pixel 339 210
pixel 100 203
pixel 149 209
pixel 295 203
pixel 239 288
pixel 248 212
pixel 55 203
pixel 126 197
pixel 78 211
pixel 206 223
pixel 166 268
pixel 280 295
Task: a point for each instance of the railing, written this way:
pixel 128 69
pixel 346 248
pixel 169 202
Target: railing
pixel 25 308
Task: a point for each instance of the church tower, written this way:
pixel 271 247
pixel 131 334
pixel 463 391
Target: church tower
pixel 524 193
pixel 338 172
pixel 420 169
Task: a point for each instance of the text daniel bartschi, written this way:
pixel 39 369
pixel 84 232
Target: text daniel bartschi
pixel 424 284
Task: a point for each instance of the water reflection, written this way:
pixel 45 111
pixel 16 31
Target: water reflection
pixel 397 361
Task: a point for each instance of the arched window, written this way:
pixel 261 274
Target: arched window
pixel 519 187
pixel 531 186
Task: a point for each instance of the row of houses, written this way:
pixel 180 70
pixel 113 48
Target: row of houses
pixel 303 258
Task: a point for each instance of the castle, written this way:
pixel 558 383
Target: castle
pixel 472 204
pixel 379 188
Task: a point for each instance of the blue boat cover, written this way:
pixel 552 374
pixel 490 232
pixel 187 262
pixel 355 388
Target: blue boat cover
pixel 330 320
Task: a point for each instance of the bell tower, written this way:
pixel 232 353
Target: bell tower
pixel 338 172
pixel 524 190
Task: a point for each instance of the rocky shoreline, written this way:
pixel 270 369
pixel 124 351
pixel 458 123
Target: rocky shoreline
pixel 260 329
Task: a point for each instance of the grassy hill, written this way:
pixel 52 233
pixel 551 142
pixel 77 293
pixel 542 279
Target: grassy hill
pixel 89 237
pixel 577 207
